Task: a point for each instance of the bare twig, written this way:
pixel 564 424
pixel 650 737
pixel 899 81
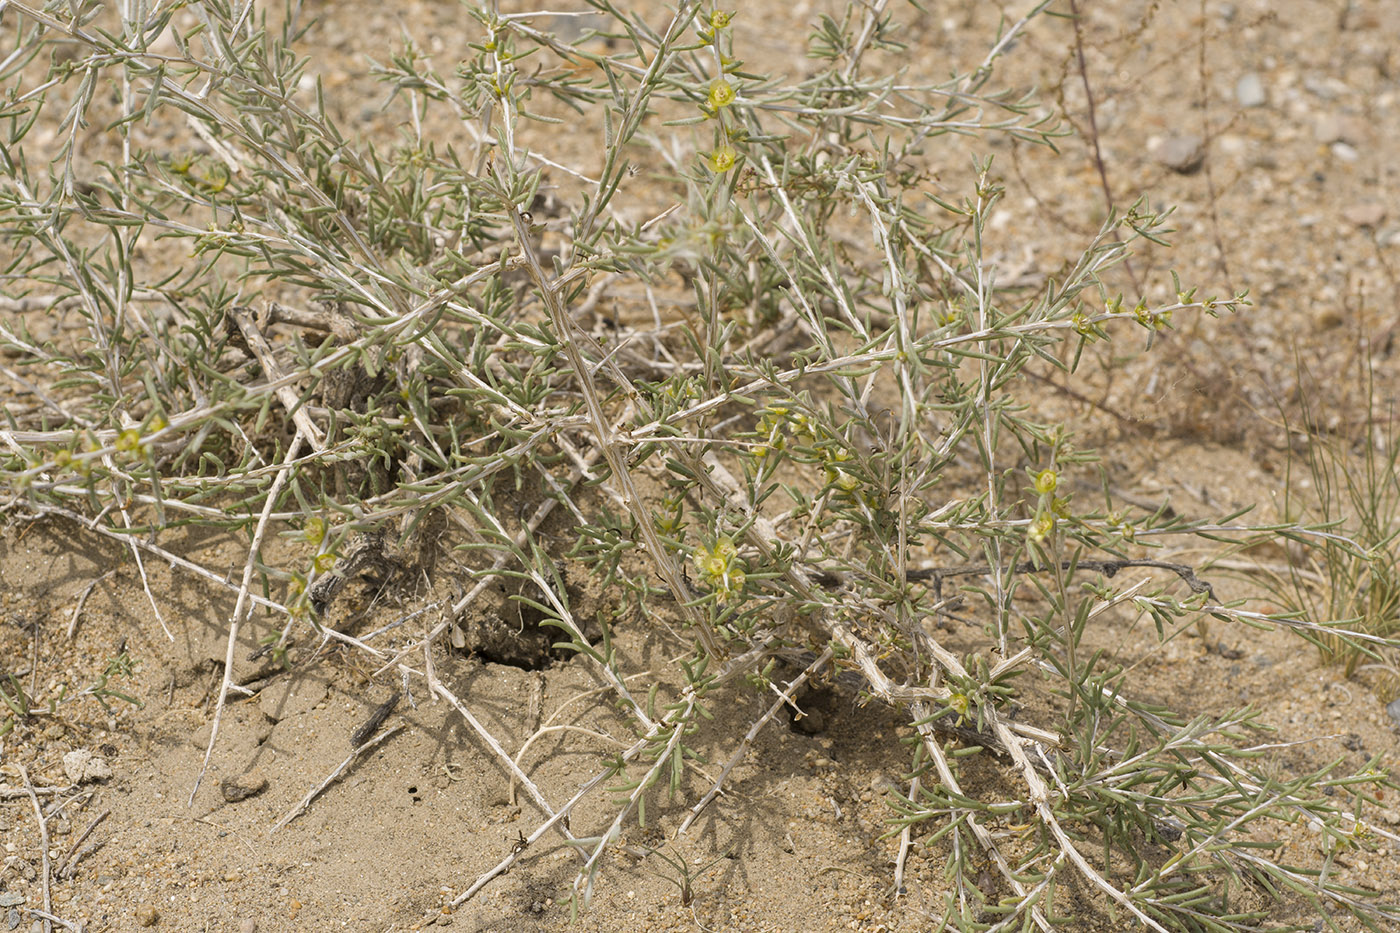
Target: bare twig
pixel 69 863
pixel 87 591
pixel 335 775
pixel 43 845
pixel 243 319
pixel 14 793
pixel 243 606
pixel 784 699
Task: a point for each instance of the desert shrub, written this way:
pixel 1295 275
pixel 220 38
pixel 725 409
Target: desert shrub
pixel 745 332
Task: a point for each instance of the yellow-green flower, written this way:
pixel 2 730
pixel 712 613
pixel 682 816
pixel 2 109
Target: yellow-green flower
pixel 1042 526
pixel 959 703
pixel 721 568
pixel 314 531
pixel 844 481
pixel 719 19
pixel 723 159
pixel 722 94
pixel 1046 481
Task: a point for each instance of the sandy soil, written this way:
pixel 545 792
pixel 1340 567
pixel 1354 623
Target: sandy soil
pixel 1293 199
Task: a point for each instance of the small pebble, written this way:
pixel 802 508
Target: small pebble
pixel 147 916
pixel 1249 91
pixel 1394 710
pixel 1325 87
pixel 83 767
pixel 1183 154
pixel 1345 152
pixel 241 788
pixel 11 899
pixel 881 784
pixel 1365 214
pixel 1328 317
pixel 12 919
pixel 247 925
pixel 1332 128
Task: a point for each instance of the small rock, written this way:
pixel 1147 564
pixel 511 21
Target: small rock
pixel 1365 214
pixel 12 919
pixel 1325 87
pixel 881 784
pixel 247 925
pixel 239 788
pixel 147 916
pixel 11 899
pixel 1394 710
pixel 1249 91
pixel 1183 154
pixel 83 767
pixel 1345 152
pixel 1331 128
pixel 1327 317
pixel 1328 128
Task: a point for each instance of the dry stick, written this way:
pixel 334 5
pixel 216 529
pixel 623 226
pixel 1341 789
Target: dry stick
pixel 261 349
pixel 922 715
pixel 77 610
pixel 436 686
pixel 732 668
pixel 904 840
pixel 784 698
pixel 518 850
pixel 13 793
pixel 51 918
pixel 42 396
pixel 145 580
pixel 541 732
pixel 568 331
pixel 243 606
pixel 761 534
pixel 1207 136
pixel 30 303
pixel 676 721
pixel 1077 18
pixel 158 551
pixel 340 769
pixel 43 843
pixel 68 863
